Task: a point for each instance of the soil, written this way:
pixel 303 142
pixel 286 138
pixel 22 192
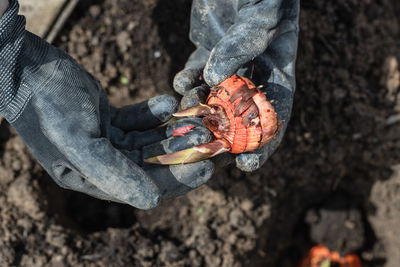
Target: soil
pixel 335 178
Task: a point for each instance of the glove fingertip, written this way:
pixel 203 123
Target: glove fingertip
pixel 185 80
pixel 153 202
pixel 207 172
pixel 163 106
pixel 216 71
pixel 142 194
pixel 195 96
pixel 195 174
pixel 248 162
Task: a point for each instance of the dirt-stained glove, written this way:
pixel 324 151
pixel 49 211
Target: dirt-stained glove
pixel 237 36
pixel 64 117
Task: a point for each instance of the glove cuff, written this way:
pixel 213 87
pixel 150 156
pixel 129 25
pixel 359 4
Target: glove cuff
pixel 12 29
pixel 20 53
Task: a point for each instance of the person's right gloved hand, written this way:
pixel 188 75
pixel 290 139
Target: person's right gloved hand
pixel 64 117
pixel 228 35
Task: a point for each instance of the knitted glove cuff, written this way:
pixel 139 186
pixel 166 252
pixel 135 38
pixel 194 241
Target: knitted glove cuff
pixel 20 53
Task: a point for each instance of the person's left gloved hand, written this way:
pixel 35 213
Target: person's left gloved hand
pixel 230 33
pixel 63 115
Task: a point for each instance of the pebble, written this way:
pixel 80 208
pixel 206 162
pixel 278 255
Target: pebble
pixel 123 41
pixel 236 217
pixel 157 54
pixel 95 10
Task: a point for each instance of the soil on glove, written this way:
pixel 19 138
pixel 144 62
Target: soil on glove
pixel 335 179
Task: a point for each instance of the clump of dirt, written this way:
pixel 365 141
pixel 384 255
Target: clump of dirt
pixel 343 139
pixel 338 224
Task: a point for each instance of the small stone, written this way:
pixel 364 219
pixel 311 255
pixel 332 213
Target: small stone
pixel 81 49
pixel 246 205
pixel 6 175
pixel 123 41
pixel 236 217
pixel 248 229
pixel 339 93
pixel 21 194
pixel 55 237
pixel 94 11
pixel 132 25
pixel 232 238
pixel 157 54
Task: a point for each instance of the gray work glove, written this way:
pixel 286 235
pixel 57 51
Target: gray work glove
pixel 237 36
pixel 64 117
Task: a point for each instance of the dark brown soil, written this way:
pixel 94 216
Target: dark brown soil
pixel 335 178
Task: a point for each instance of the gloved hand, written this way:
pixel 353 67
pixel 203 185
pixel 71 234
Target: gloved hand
pixel 230 33
pixel 64 117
